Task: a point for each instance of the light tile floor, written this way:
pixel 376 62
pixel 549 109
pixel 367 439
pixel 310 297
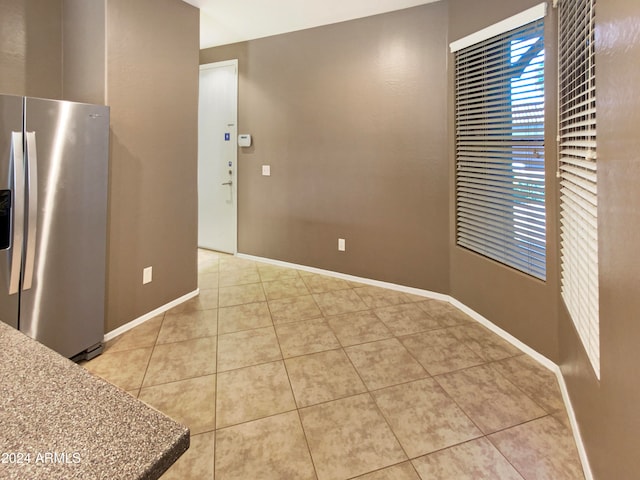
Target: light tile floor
pixel 284 374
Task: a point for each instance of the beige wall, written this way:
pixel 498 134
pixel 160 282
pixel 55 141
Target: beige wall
pixel 152 88
pixel 149 77
pixel 31 48
pixel 608 410
pixel 352 119
pixel 84 52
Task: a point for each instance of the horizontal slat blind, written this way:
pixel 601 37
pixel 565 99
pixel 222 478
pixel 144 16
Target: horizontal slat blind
pixel 578 172
pixel 500 185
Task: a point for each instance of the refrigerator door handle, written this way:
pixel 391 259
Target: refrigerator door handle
pixel 17 165
pixel 32 219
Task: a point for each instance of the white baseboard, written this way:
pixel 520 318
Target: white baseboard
pixel 586 467
pixel 588 475
pixel 505 335
pixel 351 278
pixel 473 314
pixel 134 323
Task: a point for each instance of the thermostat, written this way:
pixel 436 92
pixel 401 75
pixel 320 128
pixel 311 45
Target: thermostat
pixel 244 140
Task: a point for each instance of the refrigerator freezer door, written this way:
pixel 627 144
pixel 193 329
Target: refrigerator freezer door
pixel 10 122
pixel 63 307
pixel 17 211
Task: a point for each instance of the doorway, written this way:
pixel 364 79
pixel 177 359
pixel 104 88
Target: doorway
pixel 217 157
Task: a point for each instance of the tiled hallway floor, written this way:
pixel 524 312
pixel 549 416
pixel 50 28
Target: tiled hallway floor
pixel 284 374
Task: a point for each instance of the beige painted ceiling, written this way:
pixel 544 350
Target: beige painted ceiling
pixel 229 21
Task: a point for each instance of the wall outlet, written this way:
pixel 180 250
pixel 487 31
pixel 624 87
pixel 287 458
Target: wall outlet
pixel 147 275
pixel 341 245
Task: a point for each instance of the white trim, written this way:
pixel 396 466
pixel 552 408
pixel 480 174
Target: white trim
pixel 505 335
pixel 134 323
pixel 419 292
pixel 106 55
pixel 530 15
pixel 224 63
pixel 586 467
pixel 544 361
pixel 351 278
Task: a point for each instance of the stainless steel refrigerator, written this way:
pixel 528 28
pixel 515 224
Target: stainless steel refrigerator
pixel 53 221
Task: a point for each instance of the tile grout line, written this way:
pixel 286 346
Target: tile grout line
pixel 295 401
pixel 153 349
pixel 378 409
pixel 503 455
pixel 371 309
pixel 490 363
pixel 487 435
pixel 215 400
pixel 517 387
pixel 381 469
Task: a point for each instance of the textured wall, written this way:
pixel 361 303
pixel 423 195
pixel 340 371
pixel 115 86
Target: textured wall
pixel 84 52
pixel 152 88
pixel 31 48
pixel 352 119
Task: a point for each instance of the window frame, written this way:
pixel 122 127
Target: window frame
pixel 510 204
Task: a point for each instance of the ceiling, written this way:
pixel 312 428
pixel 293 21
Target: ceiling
pixel 229 21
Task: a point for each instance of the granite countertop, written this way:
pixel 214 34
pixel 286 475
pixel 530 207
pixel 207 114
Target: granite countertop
pixel 58 421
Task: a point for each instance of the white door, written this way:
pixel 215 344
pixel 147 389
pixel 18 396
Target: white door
pixel 217 156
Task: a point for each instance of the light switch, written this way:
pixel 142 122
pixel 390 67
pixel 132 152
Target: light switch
pixel 147 275
pixel 266 170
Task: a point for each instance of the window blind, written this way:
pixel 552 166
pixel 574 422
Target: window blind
pixel 500 183
pixel 578 172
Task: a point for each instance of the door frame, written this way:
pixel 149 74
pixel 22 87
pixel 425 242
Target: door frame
pixel 208 66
